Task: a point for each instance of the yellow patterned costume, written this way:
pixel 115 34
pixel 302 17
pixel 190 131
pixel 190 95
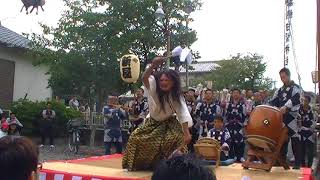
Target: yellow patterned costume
pixel 152 142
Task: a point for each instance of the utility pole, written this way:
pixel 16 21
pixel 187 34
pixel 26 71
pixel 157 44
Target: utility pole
pixel 187 65
pixel 318 42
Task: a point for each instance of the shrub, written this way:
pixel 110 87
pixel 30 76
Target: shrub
pixel 29 114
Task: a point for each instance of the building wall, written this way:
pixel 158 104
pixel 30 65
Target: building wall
pixel 28 79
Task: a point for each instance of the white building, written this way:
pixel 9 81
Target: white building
pixel 198 71
pixel 18 77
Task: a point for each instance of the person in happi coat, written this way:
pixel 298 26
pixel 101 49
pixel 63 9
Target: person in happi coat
pixel 235 119
pixel 287 98
pixel 139 109
pixel 264 96
pixel 166 128
pixel 307 124
pixel 114 115
pixel 206 110
pixel 221 134
pixel 316 159
pixel 191 104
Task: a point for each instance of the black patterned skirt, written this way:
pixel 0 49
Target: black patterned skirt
pixel 152 142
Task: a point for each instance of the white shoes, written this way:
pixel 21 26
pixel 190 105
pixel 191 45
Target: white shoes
pixel 41 145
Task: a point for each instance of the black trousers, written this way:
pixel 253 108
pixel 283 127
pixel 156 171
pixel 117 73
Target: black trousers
pixel 307 150
pixel 46 130
pixel 194 139
pixel 108 146
pixel 125 138
pixel 223 157
pixel 237 150
pixel 296 148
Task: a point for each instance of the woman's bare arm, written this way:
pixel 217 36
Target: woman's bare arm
pixel 157 61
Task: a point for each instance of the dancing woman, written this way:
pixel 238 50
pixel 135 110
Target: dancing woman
pixel 167 125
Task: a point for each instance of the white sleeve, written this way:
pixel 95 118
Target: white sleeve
pixel 289 104
pixel 19 123
pixel 183 113
pixel 152 90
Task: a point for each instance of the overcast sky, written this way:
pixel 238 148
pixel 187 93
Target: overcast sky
pixel 225 27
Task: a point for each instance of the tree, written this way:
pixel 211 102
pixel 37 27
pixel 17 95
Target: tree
pixel 82 51
pixel 241 71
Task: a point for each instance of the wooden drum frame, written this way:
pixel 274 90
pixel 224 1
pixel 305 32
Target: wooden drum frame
pixel 209 149
pixel 265 135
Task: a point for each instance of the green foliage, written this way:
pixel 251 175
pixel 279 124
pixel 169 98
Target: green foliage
pixel 241 71
pixel 82 51
pixel 30 113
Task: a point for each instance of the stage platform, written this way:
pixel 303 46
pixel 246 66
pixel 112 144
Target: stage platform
pixel 109 168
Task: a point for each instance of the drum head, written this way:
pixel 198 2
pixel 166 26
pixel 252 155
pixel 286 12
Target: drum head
pixel 264 127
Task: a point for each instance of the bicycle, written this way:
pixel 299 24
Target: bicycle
pixel 73 127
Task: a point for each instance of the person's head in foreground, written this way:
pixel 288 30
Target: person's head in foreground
pixel 184 167
pixel 18 158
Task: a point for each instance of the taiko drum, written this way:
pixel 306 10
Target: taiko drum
pixel 264 127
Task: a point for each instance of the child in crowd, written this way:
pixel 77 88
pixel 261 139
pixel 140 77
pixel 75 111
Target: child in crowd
pixel 221 134
pixel 114 115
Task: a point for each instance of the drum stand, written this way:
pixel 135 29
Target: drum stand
pixel 266 160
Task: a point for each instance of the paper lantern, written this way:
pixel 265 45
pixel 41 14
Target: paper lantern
pixel 130 68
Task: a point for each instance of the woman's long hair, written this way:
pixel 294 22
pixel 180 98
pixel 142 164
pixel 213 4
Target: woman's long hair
pixel 175 91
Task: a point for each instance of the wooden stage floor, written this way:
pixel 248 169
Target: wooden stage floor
pixel 111 167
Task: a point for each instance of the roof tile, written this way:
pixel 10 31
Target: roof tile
pixel 12 39
pixel 201 66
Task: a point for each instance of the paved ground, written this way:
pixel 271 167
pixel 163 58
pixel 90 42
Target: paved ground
pixel 61 152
